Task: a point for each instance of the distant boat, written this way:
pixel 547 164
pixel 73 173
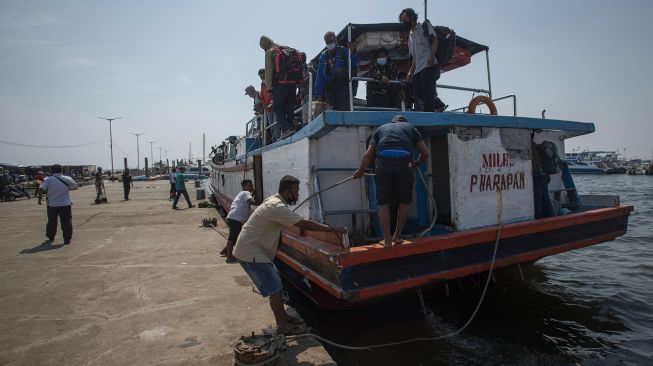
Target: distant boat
pixel 584 167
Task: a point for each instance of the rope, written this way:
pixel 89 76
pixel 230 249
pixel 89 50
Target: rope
pixel 102 140
pixel 324 190
pixel 392 344
pixel 432 196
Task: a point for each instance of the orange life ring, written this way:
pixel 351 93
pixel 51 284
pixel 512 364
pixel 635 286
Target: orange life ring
pixel 481 99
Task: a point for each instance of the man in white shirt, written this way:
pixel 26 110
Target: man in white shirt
pixel 173 190
pixel 239 212
pixel 57 188
pixel 258 242
pixel 424 70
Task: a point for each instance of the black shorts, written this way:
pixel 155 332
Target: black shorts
pixel 394 181
pixel 234 229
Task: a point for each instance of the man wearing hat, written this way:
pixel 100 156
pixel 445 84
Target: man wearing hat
pixel 258 105
pixel 392 146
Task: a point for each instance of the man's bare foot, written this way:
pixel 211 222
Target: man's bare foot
pixel 387 242
pixel 398 240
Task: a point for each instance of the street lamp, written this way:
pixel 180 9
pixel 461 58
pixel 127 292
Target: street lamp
pixel 110 139
pixel 138 151
pixel 151 155
pixel 160 162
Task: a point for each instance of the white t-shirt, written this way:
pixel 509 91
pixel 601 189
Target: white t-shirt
pixel 173 178
pixel 419 47
pixel 240 207
pixel 259 239
pixel 57 191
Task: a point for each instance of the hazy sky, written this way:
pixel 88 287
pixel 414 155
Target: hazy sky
pixel 176 69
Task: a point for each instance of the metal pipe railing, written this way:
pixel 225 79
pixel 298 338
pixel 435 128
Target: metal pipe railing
pixel 351 90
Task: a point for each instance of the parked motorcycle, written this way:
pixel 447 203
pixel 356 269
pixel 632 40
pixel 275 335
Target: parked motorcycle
pixel 12 191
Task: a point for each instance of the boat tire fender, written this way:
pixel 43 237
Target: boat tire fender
pixel 481 99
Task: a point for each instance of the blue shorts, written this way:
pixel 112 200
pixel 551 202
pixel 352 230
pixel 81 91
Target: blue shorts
pixel 265 276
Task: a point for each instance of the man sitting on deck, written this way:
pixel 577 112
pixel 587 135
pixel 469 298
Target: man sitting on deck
pixel 392 144
pixel 258 241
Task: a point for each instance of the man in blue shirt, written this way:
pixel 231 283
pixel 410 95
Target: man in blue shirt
pixel 392 145
pixel 332 77
pixel 180 186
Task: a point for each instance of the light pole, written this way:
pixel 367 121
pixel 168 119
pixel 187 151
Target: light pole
pixel 160 162
pixel 138 150
pixel 110 139
pixel 151 155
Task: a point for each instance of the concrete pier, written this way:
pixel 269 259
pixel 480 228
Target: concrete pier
pixel 140 284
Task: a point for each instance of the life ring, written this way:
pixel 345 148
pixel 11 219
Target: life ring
pixel 481 99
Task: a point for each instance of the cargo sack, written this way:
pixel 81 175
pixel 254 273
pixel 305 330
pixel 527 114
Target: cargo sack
pixel 550 159
pixel 288 65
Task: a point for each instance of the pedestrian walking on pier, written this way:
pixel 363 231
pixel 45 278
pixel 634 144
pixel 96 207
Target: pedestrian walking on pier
pixel 180 186
pixel 57 188
pixel 127 183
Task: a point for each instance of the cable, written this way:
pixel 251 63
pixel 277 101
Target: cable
pixel 103 139
pixel 327 188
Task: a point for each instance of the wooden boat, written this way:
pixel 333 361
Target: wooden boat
pixel 480 172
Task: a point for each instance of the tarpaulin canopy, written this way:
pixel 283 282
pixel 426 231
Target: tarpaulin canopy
pixel 394 37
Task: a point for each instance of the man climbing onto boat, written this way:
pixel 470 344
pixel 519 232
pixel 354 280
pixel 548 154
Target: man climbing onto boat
pixel 258 242
pixel 392 145
pixel 238 214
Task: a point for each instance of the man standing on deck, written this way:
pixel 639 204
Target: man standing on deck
pixel 273 132
pixel 424 70
pixel 281 79
pixel 541 197
pixel 180 187
pixel 392 145
pixel 258 242
pixel 332 76
pixel 57 188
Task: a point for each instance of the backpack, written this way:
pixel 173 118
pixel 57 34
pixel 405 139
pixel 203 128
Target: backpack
pixel 446 42
pixel 288 65
pixel 550 159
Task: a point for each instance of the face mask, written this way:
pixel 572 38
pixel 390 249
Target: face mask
pixel 381 61
pixel 331 46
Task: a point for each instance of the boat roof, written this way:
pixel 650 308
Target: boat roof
pixel 329 120
pixel 359 29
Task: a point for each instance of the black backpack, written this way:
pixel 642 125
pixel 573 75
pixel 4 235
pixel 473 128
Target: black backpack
pixel 288 65
pixel 446 42
pixel 549 157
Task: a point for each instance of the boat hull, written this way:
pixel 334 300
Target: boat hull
pixel 336 278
